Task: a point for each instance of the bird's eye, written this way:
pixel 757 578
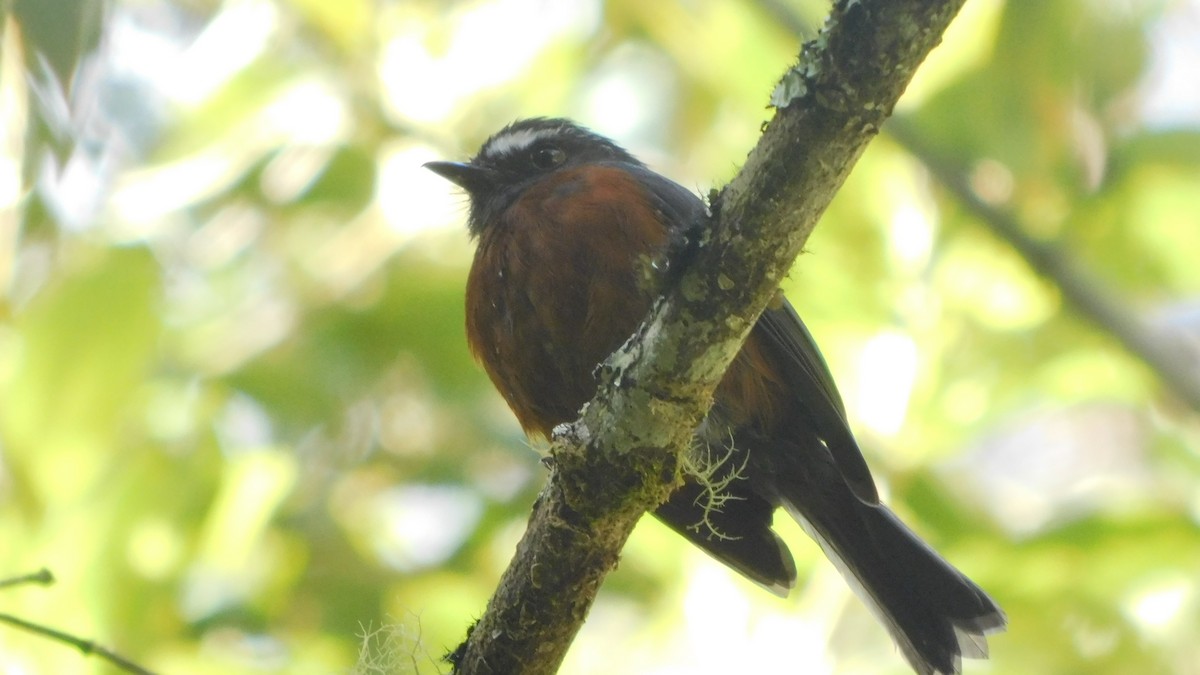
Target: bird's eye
pixel 548 157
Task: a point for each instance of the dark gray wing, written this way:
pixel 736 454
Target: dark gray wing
pixel 807 373
pixel 808 378
pixel 684 213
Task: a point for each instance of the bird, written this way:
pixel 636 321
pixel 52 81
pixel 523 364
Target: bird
pixel 574 236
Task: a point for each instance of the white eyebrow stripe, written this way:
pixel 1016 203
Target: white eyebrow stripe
pixel 515 141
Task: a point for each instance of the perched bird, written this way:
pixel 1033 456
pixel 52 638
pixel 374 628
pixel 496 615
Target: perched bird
pixel 566 222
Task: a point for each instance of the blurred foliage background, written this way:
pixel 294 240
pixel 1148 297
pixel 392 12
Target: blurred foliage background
pixel 239 422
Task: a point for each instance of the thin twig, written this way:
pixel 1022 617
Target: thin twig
pixel 1162 351
pixel 86 646
pixel 42 577
pixel 45 578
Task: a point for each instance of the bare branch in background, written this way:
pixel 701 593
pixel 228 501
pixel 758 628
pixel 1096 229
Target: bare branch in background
pixel 1164 352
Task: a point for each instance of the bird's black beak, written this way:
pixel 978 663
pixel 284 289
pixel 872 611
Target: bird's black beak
pixel 473 179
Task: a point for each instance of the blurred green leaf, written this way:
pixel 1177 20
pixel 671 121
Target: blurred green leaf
pixel 346 183
pixel 62 32
pixel 85 343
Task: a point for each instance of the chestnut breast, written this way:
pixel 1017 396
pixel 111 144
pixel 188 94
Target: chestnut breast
pixel 561 279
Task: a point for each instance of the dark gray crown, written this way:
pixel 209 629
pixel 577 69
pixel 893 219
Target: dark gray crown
pixel 522 136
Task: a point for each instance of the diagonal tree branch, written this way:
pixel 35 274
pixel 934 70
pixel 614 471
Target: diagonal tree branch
pixel 621 458
pixel 1164 352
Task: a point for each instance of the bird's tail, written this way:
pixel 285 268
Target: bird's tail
pixel 935 614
